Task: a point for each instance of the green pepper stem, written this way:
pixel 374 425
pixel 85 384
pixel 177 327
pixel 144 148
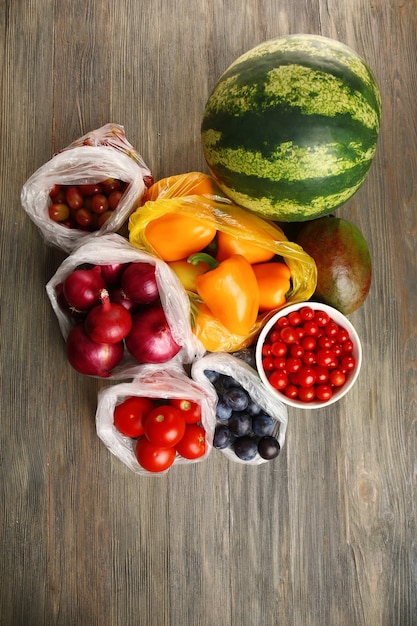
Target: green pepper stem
pixel 203 257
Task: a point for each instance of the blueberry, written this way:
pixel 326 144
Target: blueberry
pixel 245 448
pixel 268 447
pixel 253 408
pixel 262 425
pixel 223 411
pixel 228 382
pixel 237 398
pixel 212 376
pixel 222 437
pixel 240 423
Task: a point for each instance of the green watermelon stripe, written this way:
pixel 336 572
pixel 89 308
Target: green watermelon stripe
pixel 290 130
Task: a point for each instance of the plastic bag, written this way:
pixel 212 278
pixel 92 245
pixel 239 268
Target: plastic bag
pixel 114 248
pixel 250 381
pixel 177 194
pixel 101 154
pixel 152 382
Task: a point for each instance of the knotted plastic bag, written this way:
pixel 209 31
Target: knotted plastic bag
pixel 99 155
pixel 196 194
pixel 155 383
pixel 111 249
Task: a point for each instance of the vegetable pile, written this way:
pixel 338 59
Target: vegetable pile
pixel 115 307
pixel 162 429
pixel 184 272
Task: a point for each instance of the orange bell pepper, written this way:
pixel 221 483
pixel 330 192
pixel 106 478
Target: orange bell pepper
pixel 230 291
pixel 228 245
pixel 189 184
pixel 274 282
pixel 175 236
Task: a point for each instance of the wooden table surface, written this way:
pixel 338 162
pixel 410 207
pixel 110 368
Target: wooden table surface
pixel 323 536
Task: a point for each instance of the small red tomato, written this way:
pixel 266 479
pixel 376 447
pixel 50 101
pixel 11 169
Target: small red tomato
pixel 83 217
pixel 294 364
pixel 348 363
pixel 306 313
pixel 324 392
pixel 289 335
pixel 342 335
pixel 164 426
pixel 326 358
pixel 154 458
pixel 266 349
pixel 191 411
pixel 99 203
pixel 308 343
pixel 294 318
pixel 291 391
pixel 280 362
pixel 129 415
pixel 297 350
pixel 193 443
pixel 306 394
pixel 90 189
pixel 306 376
pixel 268 363
pixel 279 348
pixel 322 318
pixel 311 328
pixel 279 379
pixel 348 345
pixel 332 329
pixel 74 197
pixel 59 211
pixel 282 322
pixel 322 374
pixel 114 199
pixel 337 378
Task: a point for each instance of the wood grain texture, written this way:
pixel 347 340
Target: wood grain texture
pixel 325 535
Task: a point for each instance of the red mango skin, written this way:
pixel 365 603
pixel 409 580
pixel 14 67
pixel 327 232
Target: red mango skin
pixel 343 259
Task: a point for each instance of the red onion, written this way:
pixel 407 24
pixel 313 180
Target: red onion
pixel 119 297
pixel 108 322
pixel 65 306
pixel 91 358
pixel 82 288
pixel 139 283
pixel 151 340
pixel 112 273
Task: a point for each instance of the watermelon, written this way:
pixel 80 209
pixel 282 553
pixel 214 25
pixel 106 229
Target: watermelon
pixel 291 127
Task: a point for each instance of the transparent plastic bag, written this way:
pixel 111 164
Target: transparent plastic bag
pixel 245 375
pixel 197 195
pixel 152 382
pixel 101 154
pixel 113 248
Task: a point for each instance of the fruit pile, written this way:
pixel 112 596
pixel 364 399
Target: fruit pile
pixel 87 207
pixel 307 355
pixel 242 424
pixel 161 429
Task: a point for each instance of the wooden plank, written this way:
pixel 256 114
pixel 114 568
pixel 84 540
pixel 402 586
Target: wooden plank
pixel 324 535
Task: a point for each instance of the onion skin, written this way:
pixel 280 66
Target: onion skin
pixel 118 296
pixel 151 340
pixel 108 322
pixel 91 358
pixel 82 288
pixel 112 273
pixel 139 283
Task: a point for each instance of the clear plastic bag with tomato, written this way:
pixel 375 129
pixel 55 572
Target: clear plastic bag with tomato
pixel 113 249
pixel 157 384
pixel 247 377
pixel 186 213
pixel 102 154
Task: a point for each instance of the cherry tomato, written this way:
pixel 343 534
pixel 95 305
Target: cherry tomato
pixel 324 392
pixel 74 197
pixel 114 199
pixel 332 329
pixel 294 318
pixel 322 374
pixel 268 363
pixel 308 343
pixel 154 458
pixel 337 378
pixel 83 217
pixel 311 328
pixel 278 379
pixel 164 426
pixel 266 349
pixel 279 348
pixel 191 411
pixel 326 358
pixel 291 391
pixel 296 351
pixel 129 415
pixel 322 318
pixel 289 334
pixel 59 211
pixel 90 189
pixel 99 203
pixel 294 364
pixel 348 363
pixel 306 394
pixel 306 376
pixel 193 443
pixel 306 313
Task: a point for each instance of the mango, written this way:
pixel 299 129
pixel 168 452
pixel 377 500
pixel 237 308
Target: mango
pixel 343 259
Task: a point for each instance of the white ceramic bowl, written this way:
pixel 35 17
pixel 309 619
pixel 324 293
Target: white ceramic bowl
pixel 351 376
